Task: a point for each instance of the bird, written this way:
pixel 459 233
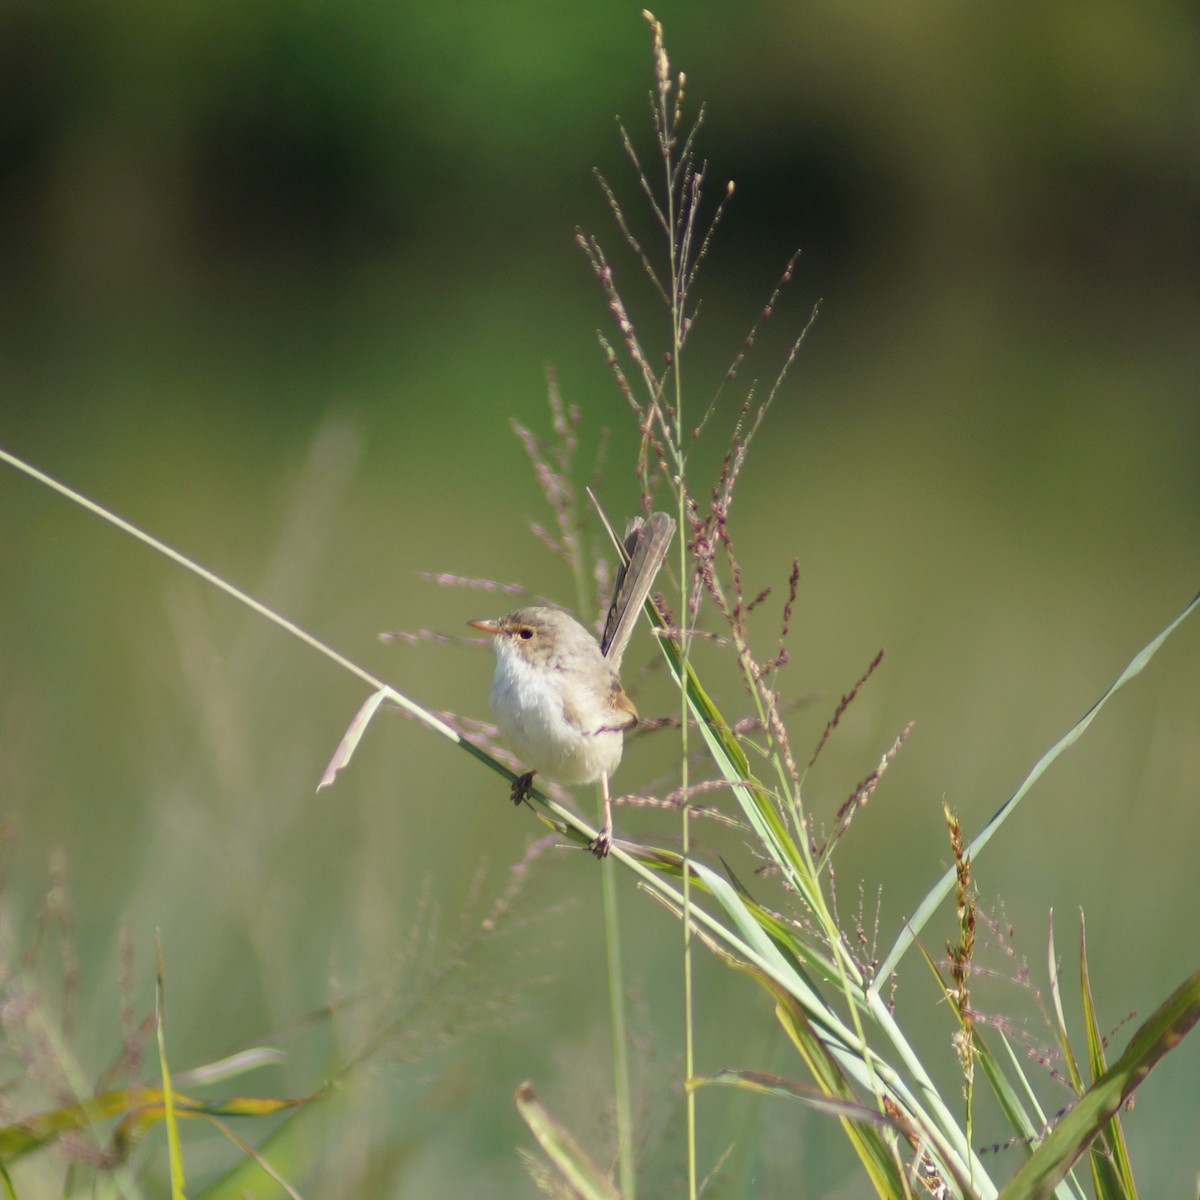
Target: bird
pixel 556 693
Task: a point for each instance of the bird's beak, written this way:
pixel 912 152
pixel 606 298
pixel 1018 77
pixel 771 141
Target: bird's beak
pixel 486 626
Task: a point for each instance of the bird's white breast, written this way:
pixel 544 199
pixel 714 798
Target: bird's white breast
pixel 527 701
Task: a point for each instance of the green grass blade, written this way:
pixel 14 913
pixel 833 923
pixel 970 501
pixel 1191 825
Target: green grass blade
pixel 945 885
pixel 730 759
pixel 252 1155
pixel 582 1175
pixel 1026 1128
pixel 229 1068
pixel 42 1129
pixel 765 1084
pixel 1070 1138
pixel 829 1033
pixel 1064 1037
pixel 1111 1169
pixel 838 1097
pixel 288 1151
pixel 174 1153
pixel 752 933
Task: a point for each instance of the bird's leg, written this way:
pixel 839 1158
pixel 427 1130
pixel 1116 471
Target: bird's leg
pixel 599 845
pixel 522 786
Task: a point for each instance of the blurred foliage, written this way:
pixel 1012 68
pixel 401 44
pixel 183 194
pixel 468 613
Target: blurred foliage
pixel 273 278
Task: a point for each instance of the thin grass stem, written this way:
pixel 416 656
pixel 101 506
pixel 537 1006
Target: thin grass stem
pixel 677 244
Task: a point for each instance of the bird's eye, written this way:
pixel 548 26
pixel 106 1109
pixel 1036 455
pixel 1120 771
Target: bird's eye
pixel 525 633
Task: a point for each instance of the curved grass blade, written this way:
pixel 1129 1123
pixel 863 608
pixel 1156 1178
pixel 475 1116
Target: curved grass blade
pixel 765 1084
pixel 244 598
pixel 42 1129
pixel 943 887
pixel 229 1068
pixel 350 739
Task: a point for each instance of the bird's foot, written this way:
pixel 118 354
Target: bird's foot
pixel 602 842
pixel 522 786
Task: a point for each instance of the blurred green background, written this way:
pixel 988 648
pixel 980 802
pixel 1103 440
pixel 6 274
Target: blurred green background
pixel 273 281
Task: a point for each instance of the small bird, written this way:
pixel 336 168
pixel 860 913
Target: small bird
pixel 556 694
